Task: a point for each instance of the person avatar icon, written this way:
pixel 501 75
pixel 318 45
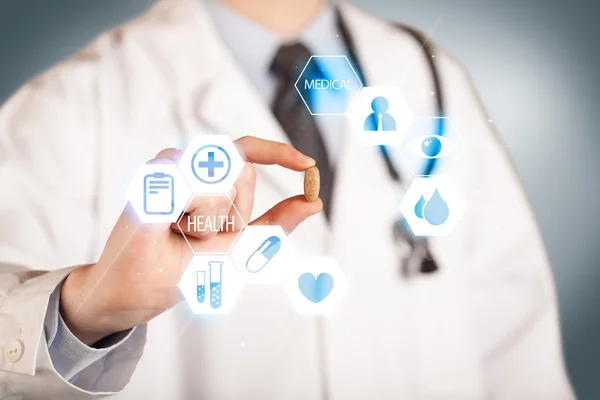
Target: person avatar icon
pixel 379 119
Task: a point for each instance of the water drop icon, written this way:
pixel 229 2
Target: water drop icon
pixel 419 207
pixel 436 210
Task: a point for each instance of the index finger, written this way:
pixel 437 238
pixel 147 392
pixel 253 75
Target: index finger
pixel 268 152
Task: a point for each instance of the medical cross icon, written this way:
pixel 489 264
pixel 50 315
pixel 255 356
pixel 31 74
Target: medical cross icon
pixel 211 164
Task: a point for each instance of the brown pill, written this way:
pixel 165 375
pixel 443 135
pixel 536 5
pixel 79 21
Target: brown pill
pixel 312 184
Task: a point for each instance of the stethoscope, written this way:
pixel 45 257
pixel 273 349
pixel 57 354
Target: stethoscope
pixel 412 251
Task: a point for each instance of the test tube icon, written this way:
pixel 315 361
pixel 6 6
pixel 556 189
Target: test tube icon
pixel 215 283
pixel 200 285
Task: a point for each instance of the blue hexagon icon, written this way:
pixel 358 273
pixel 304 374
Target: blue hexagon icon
pixel 432 206
pixel 211 285
pixel 380 115
pixel 228 226
pixel 211 164
pixel 159 192
pixel 432 146
pixel 263 254
pixel 315 285
pixel 328 85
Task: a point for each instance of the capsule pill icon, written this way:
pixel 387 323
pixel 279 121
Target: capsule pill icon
pixel 263 254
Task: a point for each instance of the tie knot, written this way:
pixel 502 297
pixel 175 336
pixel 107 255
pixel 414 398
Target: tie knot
pixel 289 60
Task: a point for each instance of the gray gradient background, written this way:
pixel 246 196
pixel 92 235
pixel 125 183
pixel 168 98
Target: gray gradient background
pixel 536 65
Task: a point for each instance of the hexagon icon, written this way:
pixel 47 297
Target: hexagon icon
pixel 328 85
pixel 432 146
pixel 315 285
pixel 228 225
pixel 263 254
pixel 211 285
pixel 432 206
pixel 380 115
pixel 211 164
pixel 159 193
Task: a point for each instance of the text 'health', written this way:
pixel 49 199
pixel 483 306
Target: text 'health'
pixel 215 223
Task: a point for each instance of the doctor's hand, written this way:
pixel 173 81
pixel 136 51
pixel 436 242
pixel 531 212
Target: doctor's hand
pixel 138 272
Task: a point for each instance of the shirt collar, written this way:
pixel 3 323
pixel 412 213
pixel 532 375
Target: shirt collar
pixel 254 46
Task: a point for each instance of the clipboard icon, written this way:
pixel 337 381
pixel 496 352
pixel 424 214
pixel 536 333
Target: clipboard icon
pixel 159 194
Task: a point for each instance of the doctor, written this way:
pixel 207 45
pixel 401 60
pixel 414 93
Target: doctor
pixel 71 327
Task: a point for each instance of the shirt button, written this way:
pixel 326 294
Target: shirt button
pixel 14 350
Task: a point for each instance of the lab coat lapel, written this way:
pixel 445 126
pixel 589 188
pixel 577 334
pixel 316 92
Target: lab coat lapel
pixel 365 208
pixel 403 67
pixel 372 44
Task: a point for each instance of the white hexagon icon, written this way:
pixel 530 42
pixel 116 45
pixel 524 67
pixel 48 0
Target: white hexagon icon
pixel 263 255
pixel 432 206
pixel 328 84
pixel 380 115
pixel 211 164
pixel 159 192
pixel 228 225
pixel 315 285
pixel 211 285
pixel 432 146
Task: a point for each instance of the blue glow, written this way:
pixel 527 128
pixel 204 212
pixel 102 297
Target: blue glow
pixel 328 84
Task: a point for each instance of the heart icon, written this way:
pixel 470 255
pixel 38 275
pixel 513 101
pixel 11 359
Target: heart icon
pixel 315 289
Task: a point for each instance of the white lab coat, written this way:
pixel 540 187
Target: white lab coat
pixel 72 139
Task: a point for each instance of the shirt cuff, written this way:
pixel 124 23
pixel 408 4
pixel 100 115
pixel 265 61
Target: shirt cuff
pixel 68 354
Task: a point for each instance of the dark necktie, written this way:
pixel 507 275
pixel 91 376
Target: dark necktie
pixel 294 117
